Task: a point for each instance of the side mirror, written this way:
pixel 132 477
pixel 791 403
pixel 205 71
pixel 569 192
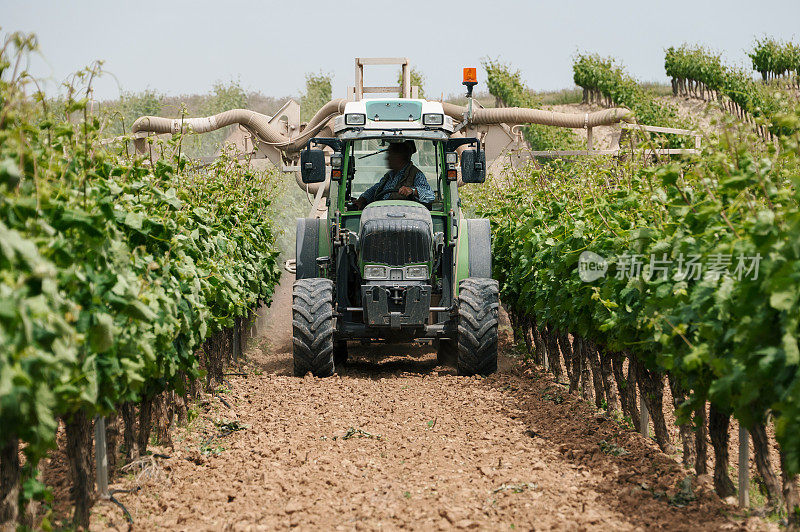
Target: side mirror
pixel 312 166
pixel 473 166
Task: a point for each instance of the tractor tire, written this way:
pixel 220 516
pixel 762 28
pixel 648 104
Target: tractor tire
pixel 478 301
pixel 446 352
pixel 312 327
pixel 339 352
pixel 306 244
pixel 480 247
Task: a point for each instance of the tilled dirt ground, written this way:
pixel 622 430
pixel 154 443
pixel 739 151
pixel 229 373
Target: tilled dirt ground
pixel 399 442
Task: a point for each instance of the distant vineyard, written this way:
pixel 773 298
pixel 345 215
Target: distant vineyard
pixel 697 72
pixel 606 82
pixel 508 89
pixel 120 278
pixel 774 59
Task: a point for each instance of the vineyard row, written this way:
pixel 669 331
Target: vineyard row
pixel 684 272
pixel 121 279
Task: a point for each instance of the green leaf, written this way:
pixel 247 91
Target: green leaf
pixel 9 172
pixel 782 300
pixel 138 310
pixel 134 220
pixel 101 334
pixel 790 347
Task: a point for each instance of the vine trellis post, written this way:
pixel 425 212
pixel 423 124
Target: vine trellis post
pixel 644 419
pixel 101 456
pixel 744 467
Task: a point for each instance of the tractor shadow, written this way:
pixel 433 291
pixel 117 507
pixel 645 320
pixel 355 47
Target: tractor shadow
pixel 378 361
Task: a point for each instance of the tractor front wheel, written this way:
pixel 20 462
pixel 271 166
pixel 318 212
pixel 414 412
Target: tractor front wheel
pixel 312 327
pixel 478 301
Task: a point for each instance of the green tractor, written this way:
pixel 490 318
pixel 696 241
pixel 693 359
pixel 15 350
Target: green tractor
pixel 392 259
pixel 386 264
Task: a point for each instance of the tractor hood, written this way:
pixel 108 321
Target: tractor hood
pixel 395 233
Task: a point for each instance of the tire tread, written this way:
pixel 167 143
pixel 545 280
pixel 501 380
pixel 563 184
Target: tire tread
pixel 477 307
pixel 312 327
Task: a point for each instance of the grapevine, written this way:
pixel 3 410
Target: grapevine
pixel 728 338
pixel 113 270
pixel 774 59
pixel 604 81
pixel 695 71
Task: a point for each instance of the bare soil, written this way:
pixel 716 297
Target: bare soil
pixel 395 441
pixel 707 117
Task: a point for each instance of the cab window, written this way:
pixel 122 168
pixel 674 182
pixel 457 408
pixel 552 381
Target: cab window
pixel 369 165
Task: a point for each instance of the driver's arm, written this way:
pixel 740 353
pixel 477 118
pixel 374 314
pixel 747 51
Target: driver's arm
pixel 369 195
pixel 424 192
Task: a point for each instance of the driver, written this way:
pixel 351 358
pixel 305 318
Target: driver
pixel 403 181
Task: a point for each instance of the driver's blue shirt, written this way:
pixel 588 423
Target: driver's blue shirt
pixel 388 185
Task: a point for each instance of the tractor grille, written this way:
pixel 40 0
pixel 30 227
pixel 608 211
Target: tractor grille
pixel 396 242
pixel 396 235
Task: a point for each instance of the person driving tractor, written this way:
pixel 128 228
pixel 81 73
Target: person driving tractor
pixel 403 181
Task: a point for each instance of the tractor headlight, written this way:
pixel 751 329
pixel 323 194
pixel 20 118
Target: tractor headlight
pixel 451 157
pixel 415 273
pixel 336 161
pixel 432 119
pixel 376 273
pixel 355 119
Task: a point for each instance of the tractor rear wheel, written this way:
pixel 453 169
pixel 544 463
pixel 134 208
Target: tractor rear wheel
pixel 312 327
pixel 478 301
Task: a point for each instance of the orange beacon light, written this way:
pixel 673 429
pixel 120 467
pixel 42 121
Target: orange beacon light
pixel 470 76
pixel 470 80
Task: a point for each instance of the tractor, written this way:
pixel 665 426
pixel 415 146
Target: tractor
pixel 403 267
pixel 397 269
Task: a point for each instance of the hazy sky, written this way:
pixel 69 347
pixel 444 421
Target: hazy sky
pixel 180 47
